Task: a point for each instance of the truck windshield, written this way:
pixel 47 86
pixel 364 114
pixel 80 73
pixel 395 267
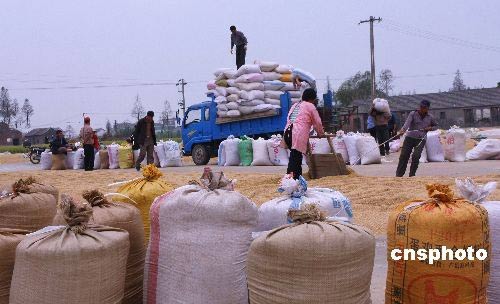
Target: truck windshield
pixel 192 116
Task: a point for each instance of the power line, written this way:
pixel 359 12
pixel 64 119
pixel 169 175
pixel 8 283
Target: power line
pixel 94 87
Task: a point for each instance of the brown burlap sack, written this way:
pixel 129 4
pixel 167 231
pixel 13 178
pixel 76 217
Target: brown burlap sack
pixel 311 261
pixel 127 217
pixel 440 220
pixel 27 210
pixel 72 264
pixel 9 239
pixel 58 162
pixel 103 154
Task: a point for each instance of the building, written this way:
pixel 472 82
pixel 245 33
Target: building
pixel 9 136
pixel 38 136
pixel 468 108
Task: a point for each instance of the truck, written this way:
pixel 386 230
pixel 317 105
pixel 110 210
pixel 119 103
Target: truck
pixel 202 131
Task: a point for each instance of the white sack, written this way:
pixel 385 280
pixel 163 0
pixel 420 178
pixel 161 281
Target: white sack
pixel 352 150
pixel 277 155
pixel 260 154
pixel 247 69
pixel 46 160
pixel 434 148
pixel 251 86
pixel 454 148
pixel 368 150
pixel 485 149
pixel 232 156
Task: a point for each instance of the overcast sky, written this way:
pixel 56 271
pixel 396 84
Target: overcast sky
pixel 56 44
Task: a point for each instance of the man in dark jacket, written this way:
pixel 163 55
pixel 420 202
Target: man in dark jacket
pixel 145 138
pixel 59 145
pixel 239 40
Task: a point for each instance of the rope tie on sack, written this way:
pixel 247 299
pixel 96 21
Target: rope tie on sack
pixel 95 198
pixel 151 172
pixel 213 181
pixel 306 214
pixel 23 185
pixel 76 214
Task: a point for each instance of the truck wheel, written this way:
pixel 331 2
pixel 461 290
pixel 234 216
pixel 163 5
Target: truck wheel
pixel 201 155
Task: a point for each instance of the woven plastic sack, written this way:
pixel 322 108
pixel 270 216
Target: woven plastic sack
pixel 440 220
pixel 270 76
pixel 479 194
pixel 211 85
pixel 78 162
pixel 485 149
pixel 222 71
pixel 312 260
pixel 26 208
pixel 381 105
pixel 233 98
pixel 123 216
pixel 253 77
pixel 9 239
pixel 368 150
pixel 172 154
pixel 70 159
pixel 247 69
pixel 288 87
pixel 277 154
pixel 221 83
pixel 125 158
pixel 273 213
pixel 49 261
pixel 114 156
pixel 267 66
pixel 251 86
pixel 320 146
pixel 350 142
pixel 210 225
pixel 143 191
pixel 58 162
pixel 273 94
pixel 250 95
pixel 97 161
pixel 454 148
pixel 271 101
pixel 160 153
pixel 434 148
pixel 46 160
pixel 104 156
pixel 274 85
pixel 245 151
pixel 221 153
pixel 340 147
pixel 284 69
pixel 230 73
pixel 262 108
pixel 259 153
pixel 304 75
pixel 286 77
pixel 233 90
pixel 232 155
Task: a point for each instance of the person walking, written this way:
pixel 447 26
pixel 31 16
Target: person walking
pixel 301 117
pixel 87 137
pixel 381 120
pixel 145 138
pixel 239 40
pixel 416 127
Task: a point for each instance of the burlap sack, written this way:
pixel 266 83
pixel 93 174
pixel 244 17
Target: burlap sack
pixel 431 223
pixel 9 239
pixel 199 242
pixel 27 210
pixel 311 261
pixel 104 156
pixel 58 162
pixel 72 264
pixel 126 217
pixel 143 191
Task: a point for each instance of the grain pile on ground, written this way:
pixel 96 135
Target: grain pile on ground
pixel 12 158
pixel 372 198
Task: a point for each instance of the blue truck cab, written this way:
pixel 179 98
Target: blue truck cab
pixel 203 131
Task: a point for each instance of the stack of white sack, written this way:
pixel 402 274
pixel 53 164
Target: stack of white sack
pixel 254 88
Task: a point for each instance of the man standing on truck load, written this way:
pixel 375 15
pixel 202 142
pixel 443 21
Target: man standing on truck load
pixel 301 117
pixel 238 39
pixel 145 138
pixel 87 136
pixel 417 124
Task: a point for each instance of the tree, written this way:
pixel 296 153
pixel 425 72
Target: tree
pixel 115 127
pixel 16 114
pixel 6 110
pixel 138 109
pixel 166 114
pixel 70 132
pixel 356 87
pixel 385 80
pixel 458 83
pixel 28 112
pixel 108 128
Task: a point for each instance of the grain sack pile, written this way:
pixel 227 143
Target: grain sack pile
pixel 273 213
pixel 200 235
pixel 123 216
pixel 454 148
pixel 76 263
pixel 28 205
pixel 254 88
pixel 441 220
pixel 479 194
pixel 142 191
pixel 9 239
pixel 485 149
pixel 312 260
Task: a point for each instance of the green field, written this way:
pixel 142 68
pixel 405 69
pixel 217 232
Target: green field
pixel 13 149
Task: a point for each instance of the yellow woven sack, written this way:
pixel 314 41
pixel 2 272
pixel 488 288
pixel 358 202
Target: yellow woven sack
pixel 441 220
pixel 125 157
pixel 286 77
pixel 143 192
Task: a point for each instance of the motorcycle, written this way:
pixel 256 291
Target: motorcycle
pixel 35 154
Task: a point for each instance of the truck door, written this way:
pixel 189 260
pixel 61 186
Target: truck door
pixel 206 121
pixel 191 127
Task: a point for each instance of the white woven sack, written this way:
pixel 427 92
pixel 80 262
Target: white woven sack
pixel 246 110
pixel 267 66
pixel 274 85
pixel 247 78
pixel 269 76
pixel 485 149
pixel 320 146
pixel 172 154
pixel 289 87
pixel 295 94
pixel 251 103
pixel 97 161
pixel 284 69
pixel 221 71
pixel 233 113
pixel 368 150
pixel 273 94
pixel 251 86
pixel 250 95
pixel 113 156
pixel 46 160
pixel 221 153
pixel 221 91
pixel 220 99
pixel 381 105
pixel 260 154
pixel 340 147
pixel 222 113
pixel 272 101
pixel 231 106
pixel 222 107
pixel 247 69
pixel 277 155
pixel 434 148
pixel 352 150
pixel 160 152
pixel 233 98
pixel 233 90
pixel 454 148
pixel 230 74
pixel 263 108
pixel 304 75
pixel 70 159
pixel 231 152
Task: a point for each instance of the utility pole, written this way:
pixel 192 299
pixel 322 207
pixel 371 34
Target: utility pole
pixel 180 88
pixel 372 50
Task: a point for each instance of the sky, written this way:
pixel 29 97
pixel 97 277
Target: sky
pixel 75 57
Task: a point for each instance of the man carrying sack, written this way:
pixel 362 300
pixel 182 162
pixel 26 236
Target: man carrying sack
pixel 418 123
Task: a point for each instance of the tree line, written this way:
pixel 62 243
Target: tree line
pixel 11 113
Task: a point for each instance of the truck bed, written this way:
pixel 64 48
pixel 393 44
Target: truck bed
pixel 222 120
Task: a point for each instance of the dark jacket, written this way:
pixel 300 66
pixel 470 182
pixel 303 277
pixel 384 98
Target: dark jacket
pixel 381 118
pixel 56 144
pixel 140 132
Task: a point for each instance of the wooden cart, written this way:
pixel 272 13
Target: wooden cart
pixel 321 165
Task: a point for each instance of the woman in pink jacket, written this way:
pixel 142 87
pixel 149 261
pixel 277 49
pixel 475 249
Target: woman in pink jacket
pixel 302 116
